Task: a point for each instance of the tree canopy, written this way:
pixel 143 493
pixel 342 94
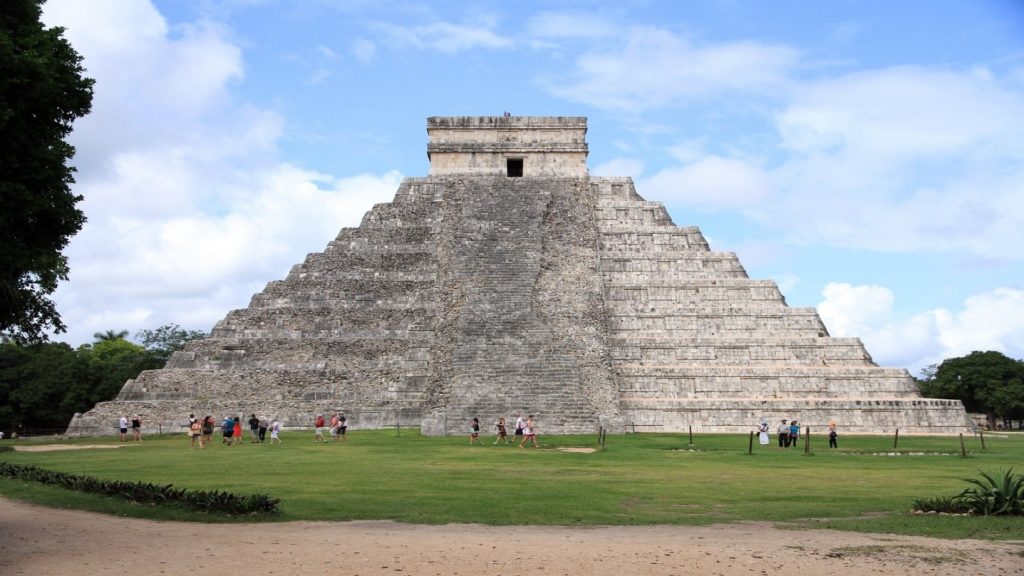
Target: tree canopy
pixel 43 384
pixel 167 339
pixel 986 382
pixel 42 92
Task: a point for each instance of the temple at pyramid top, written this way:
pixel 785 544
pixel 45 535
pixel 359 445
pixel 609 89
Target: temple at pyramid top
pixel 514 146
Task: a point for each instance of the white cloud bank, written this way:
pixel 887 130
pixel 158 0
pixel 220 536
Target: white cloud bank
pixel 989 321
pixel 190 210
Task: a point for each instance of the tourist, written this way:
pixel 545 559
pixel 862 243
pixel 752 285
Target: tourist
pixel 195 428
pixel 318 424
pixel 335 423
pixel 122 425
pixel 191 418
pixel 474 431
pixel 275 431
pixel 137 428
pixel 784 434
pixel 794 433
pixel 227 430
pixel 519 427
pixel 762 432
pixel 832 435
pixel 254 428
pixel 529 432
pixel 207 428
pixel 342 426
pixel 236 430
pixel 502 432
pixel 264 424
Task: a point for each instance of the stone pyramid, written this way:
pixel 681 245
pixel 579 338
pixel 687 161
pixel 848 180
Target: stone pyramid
pixel 510 280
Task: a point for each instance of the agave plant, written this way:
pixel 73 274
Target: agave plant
pixel 996 495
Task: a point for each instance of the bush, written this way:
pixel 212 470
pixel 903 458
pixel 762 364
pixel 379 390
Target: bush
pixel 996 495
pixel 216 501
pixel 1001 494
pixel 942 505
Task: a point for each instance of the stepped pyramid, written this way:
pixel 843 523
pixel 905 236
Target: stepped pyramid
pixel 510 280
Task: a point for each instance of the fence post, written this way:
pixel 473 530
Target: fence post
pixel 807 440
pixel 963 449
pixel 896 439
pixel 691 435
pixel 750 444
pixel 981 434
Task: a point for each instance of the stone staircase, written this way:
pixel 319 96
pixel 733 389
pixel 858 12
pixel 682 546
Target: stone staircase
pixel 697 344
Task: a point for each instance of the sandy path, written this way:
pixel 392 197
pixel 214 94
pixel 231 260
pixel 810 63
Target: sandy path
pixel 44 541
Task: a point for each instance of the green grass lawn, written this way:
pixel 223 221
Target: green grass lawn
pixel 636 479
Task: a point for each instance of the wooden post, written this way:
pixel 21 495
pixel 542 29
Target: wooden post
pixel 691 435
pixel 634 427
pixel 981 434
pixel 896 439
pixel 963 449
pixel 807 439
pixel 750 446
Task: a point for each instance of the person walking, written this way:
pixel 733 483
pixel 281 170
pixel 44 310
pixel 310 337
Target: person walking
pixel 275 432
pixel 784 434
pixel 335 422
pixel 529 432
pixel 833 436
pixel 762 432
pixel 502 432
pixel 342 426
pixel 520 424
pixel 264 424
pixel 122 425
pixel 794 432
pixel 195 430
pixel 474 431
pixel 137 428
pixel 207 428
pixel 254 428
pixel 236 430
pixel 318 424
pixel 227 430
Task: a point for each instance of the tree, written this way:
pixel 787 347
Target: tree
pixel 167 340
pixel 41 386
pixel 986 382
pixel 112 362
pixel 42 92
pixel 110 335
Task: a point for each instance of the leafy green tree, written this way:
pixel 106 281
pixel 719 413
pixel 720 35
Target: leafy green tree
pixel 41 386
pixel 42 92
pixel 110 335
pixel 167 340
pixel 112 362
pixel 987 382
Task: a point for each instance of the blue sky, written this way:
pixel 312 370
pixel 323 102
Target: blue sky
pixel 867 156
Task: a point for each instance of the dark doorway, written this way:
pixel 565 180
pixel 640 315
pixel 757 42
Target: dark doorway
pixel 515 167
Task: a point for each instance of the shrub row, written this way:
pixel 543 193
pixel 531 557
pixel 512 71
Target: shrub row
pixel 1000 494
pixel 142 492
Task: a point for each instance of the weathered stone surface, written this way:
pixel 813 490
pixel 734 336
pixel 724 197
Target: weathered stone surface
pixel 557 294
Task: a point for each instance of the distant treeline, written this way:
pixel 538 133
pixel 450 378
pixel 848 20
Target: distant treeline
pixel 42 385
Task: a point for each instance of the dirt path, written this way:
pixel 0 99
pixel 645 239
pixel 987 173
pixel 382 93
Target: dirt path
pixel 43 541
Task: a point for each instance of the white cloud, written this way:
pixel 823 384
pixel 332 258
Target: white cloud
pixel 904 159
pixel 190 210
pixel 631 167
pixel 655 68
pixel 712 182
pixel 363 50
pixel 991 320
pixel 562 25
pixel 852 310
pixel 444 37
